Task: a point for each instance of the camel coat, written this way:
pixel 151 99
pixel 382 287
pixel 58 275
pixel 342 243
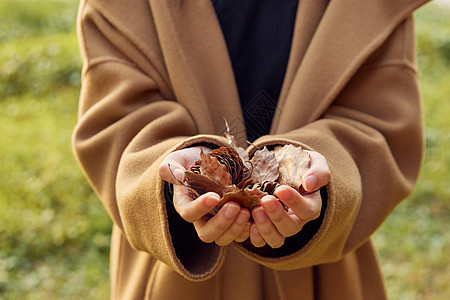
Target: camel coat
pixel 157 77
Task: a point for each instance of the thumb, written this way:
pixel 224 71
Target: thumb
pixel 171 171
pixel 318 174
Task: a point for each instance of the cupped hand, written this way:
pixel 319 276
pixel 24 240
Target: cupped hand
pixel 178 162
pixel 228 225
pixel 272 223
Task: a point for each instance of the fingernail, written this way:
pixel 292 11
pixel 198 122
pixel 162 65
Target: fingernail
pixel 179 174
pixel 283 193
pixel 269 204
pixel 231 210
pixel 310 183
pixel 259 215
pixel 212 200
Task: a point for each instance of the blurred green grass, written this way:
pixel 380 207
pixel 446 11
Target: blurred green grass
pixel 414 242
pixel 54 232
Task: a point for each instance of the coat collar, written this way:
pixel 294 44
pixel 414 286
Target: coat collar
pixel 345 33
pixel 353 27
pixel 191 37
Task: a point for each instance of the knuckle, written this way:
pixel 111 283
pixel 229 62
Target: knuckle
pixel 311 212
pixel 317 209
pixel 315 215
pixel 205 237
pixel 241 238
pixel 276 218
pixel 235 231
pixel 277 244
pixel 257 241
pixel 222 243
pixel 245 234
pixel 290 231
pixel 265 231
pixel 185 215
pixel 259 244
pixel 221 226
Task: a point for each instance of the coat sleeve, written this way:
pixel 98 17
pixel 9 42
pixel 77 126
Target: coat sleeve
pixel 128 122
pixel 372 138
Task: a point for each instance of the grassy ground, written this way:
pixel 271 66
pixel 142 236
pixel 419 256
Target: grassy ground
pixel 54 233
pixel 57 233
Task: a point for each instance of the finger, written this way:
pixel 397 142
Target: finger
pixel 178 162
pixel 256 238
pixel 318 175
pixel 209 230
pixel 266 228
pixel 235 230
pixel 192 210
pixel 306 208
pixel 169 169
pixel 245 234
pixel 286 224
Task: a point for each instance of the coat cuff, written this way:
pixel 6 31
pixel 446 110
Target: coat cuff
pixel 151 223
pixel 320 240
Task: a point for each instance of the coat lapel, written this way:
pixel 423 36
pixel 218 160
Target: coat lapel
pixel 309 13
pixel 332 39
pixel 348 32
pixel 192 28
pixel 198 63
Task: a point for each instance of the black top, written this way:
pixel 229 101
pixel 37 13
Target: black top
pixel 258 34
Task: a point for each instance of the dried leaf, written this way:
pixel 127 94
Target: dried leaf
pixel 248 180
pixel 179 182
pixel 267 186
pixel 210 167
pixel 293 162
pixel 228 172
pixel 241 197
pixel 233 144
pixel 228 157
pixel 265 166
pixel 255 191
pixel 203 184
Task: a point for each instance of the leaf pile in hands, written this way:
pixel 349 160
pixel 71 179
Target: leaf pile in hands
pixel 229 172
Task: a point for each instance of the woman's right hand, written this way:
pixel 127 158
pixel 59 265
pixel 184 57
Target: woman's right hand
pixel 230 224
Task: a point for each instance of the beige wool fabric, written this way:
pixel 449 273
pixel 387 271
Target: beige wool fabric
pixel 157 77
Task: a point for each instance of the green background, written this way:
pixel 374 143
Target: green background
pixel 54 233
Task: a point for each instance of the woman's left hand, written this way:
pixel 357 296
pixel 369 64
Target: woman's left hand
pixel 272 223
